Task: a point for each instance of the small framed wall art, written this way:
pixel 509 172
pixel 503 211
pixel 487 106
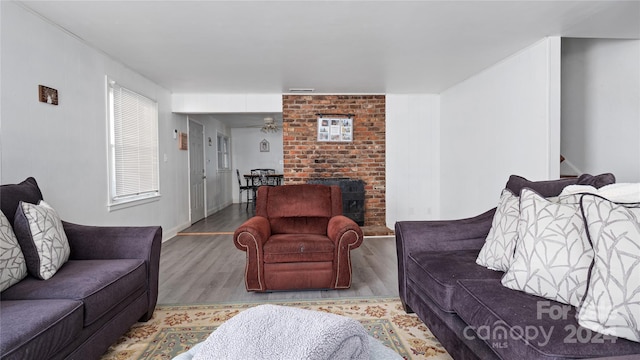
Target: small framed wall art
pixel 335 129
pixel 264 145
pixel 47 95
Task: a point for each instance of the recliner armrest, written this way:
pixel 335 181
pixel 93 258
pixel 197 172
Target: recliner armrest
pixel 257 227
pixel 340 225
pixel 250 238
pixel 346 235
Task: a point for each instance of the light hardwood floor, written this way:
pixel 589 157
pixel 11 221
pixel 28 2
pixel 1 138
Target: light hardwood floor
pixel 201 265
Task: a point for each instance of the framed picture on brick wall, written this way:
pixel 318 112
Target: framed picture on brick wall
pixel 335 129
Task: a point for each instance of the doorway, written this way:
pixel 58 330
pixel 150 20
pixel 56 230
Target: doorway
pixel 197 174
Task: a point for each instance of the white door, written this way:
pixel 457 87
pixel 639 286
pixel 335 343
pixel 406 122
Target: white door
pixel 196 170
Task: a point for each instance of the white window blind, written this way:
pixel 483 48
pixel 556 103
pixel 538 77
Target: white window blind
pixel 134 145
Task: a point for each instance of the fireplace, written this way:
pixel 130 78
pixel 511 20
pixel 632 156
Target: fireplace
pixel 352 196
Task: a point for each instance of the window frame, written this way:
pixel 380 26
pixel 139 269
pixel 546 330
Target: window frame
pixel 224 157
pixel 115 202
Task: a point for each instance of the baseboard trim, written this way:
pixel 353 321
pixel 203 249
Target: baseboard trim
pixel 173 232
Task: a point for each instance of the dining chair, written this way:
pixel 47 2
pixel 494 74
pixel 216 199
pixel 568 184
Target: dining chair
pixel 258 178
pixel 271 181
pixel 248 188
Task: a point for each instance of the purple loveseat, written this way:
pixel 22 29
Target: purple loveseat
pixel 109 282
pixel 465 305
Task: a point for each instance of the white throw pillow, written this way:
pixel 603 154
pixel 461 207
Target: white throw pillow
pixel 612 302
pixel 42 239
pixel 578 189
pixel 497 251
pixel 553 254
pixel 13 267
pixel 619 192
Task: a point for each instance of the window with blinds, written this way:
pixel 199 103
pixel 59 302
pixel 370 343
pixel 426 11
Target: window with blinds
pixel 133 145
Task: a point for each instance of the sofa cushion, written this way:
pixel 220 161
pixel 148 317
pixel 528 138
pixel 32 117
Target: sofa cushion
pixel 298 248
pixel 299 201
pixel 549 188
pixel 299 225
pixel 99 284
pixel 596 181
pixel 301 209
pixel 546 188
pixel 13 266
pixel 12 194
pixel 437 273
pixel 517 325
pixel 42 238
pixel 38 329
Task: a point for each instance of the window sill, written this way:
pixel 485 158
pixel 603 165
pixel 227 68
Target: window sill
pixel 123 204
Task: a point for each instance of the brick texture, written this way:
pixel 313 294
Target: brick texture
pixel 363 158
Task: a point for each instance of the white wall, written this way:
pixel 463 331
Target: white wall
pixel 412 157
pixel 601 106
pixel 502 121
pixel 246 154
pixel 65 147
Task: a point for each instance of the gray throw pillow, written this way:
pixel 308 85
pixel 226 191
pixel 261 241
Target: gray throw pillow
pixel 13 267
pixel 42 239
pixel 12 194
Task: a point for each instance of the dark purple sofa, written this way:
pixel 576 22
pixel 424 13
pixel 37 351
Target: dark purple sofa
pixel 466 307
pixel 109 283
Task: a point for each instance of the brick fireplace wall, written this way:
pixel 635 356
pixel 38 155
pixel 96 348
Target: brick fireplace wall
pixel 364 158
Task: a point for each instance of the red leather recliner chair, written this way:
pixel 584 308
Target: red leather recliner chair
pixel 298 239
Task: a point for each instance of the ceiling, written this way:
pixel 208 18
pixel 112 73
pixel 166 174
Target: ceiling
pixel 240 120
pixel 330 46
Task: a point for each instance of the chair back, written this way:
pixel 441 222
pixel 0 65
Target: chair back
pixel 302 208
pixel 271 181
pixel 257 178
pixel 238 175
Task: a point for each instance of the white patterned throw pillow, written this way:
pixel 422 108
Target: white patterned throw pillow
pixel 42 239
pixel 13 267
pixel 553 255
pixel 497 251
pixel 612 302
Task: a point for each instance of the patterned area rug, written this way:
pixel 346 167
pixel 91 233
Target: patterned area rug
pixel 175 329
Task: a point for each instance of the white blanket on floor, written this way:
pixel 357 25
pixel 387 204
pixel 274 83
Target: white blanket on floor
pixel 280 332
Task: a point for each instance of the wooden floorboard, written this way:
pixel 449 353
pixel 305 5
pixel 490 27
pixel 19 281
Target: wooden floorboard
pixel 201 265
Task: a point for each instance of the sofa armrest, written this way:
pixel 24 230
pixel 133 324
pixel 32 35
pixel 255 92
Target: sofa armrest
pixel 103 242
pixel 250 237
pixel 346 235
pixel 445 235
